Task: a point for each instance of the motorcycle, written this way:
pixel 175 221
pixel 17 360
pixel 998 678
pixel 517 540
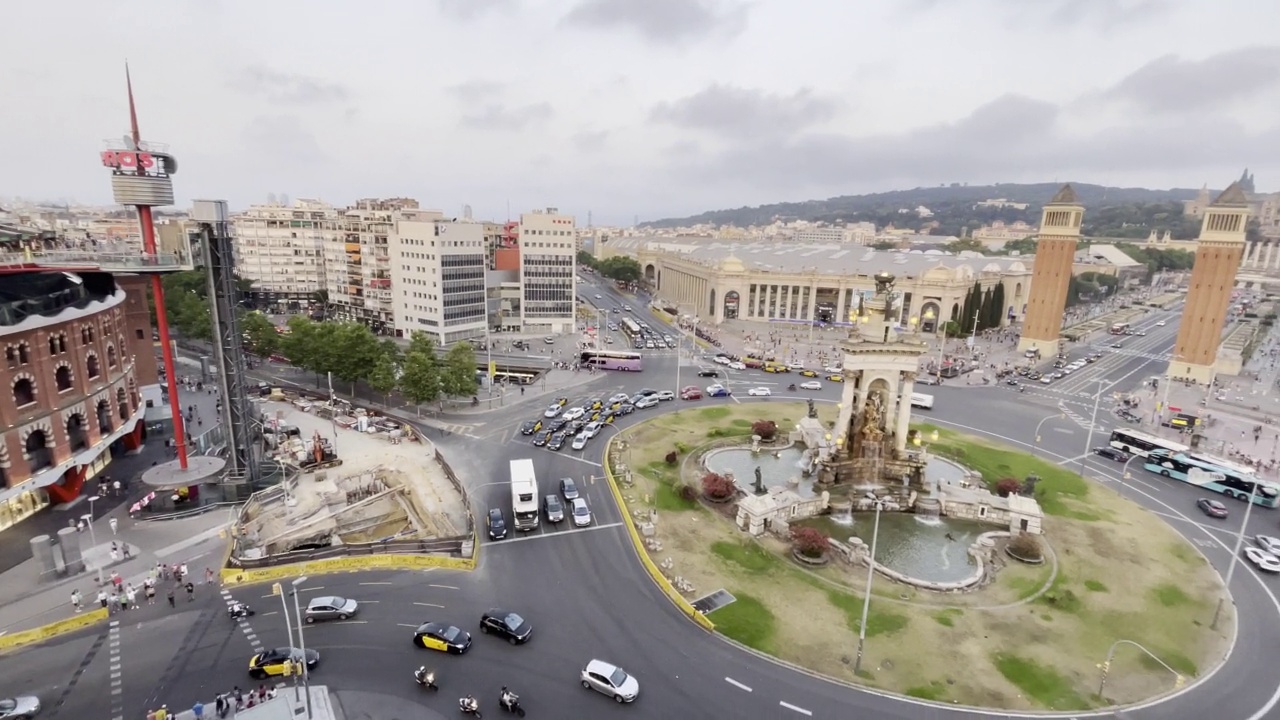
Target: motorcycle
pixel 239 610
pixel 791 387
pixel 426 678
pixel 510 702
pixel 469 706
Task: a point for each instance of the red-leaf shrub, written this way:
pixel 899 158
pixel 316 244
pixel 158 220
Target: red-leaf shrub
pixel 671 458
pixel 766 429
pixel 717 486
pixel 1008 486
pixel 810 542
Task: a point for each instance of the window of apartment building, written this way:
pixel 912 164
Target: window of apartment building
pixel 24 392
pixel 62 378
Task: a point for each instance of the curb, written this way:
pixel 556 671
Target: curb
pixel 638 545
pixel 235 577
pixel 53 629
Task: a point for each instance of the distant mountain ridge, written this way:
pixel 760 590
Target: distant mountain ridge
pixel 854 208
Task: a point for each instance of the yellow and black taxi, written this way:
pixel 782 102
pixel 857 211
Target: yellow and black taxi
pixel 773 367
pixel 280 661
pixel 808 373
pixel 594 404
pixel 835 378
pixel 562 401
pixel 445 638
pixel 530 427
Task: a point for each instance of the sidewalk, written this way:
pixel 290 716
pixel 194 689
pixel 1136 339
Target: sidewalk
pixel 282 707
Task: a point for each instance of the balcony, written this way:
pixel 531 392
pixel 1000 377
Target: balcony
pixel 72 260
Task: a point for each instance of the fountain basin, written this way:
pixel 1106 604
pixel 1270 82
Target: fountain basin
pixel 777 468
pixel 911 547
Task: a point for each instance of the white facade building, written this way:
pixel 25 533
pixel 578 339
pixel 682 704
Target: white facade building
pixel 438 275
pixel 280 249
pixel 358 264
pixel 548 271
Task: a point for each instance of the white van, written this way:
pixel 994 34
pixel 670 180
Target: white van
pixel 922 401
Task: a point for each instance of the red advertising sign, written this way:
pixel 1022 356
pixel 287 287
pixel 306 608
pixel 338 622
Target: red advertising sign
pixel 1174 409
pixel 127 160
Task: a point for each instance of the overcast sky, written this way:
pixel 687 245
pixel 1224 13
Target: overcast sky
pixel 648 108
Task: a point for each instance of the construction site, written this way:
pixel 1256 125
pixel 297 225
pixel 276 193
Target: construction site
pixel 355 483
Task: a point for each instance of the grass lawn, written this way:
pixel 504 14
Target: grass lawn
pixel 1023 642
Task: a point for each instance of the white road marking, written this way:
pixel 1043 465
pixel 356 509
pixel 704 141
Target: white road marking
pixel 429 605
pixel 350 622
pixel 560 533
pixel 406 625
pixel 375 583
pixel 581 460
pixel 273 612
pixel 320 587
pixel 795 708
pixel 737 684
pixel 443 587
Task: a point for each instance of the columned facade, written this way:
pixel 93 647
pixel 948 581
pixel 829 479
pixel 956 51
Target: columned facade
pixel 1261 255
pixel 1051 278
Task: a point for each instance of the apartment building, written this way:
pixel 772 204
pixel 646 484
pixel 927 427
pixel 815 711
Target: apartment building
pixel 358 263
pixel 548 272
pixel 280 250
pixel 438 275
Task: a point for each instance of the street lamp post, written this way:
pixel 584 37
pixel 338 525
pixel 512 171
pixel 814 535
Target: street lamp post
pixel 1178 679
pixel 1045 420
pixel 1235 554
pixel 302 642
pixel 1124 470
pixel 93 537
pixel 866 599
pixel 1093 422
pixel 288 626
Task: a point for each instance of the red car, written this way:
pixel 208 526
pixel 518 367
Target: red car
pixel 1212 508
pixel 693 392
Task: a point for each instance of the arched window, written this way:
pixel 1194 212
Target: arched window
pixel 84 336
pixel 62 378
pixel 122 403
pixel 11 356
pixel 24 353
pixel 39 455
pixel 53 344
pixel 103 412
pixel 57 344
pixel 111 356
pixel 91 366
pixel 77 435
pixel 24 392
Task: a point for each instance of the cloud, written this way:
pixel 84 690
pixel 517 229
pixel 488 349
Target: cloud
pixel 1107 14
pixel 474 91
pixel 288 87
pixel 471 9
pixel 282 138
pixel 590 140
pixel 497 116
pixel 667 22
pixel 746 113
pixel 1170 84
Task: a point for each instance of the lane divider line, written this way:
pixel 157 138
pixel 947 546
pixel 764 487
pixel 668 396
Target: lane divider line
pixel 794 708
pixel 737 684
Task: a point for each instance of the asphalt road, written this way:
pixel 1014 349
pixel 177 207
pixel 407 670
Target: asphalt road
pixel 587 596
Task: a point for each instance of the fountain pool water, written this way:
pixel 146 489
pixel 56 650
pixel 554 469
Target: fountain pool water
pixel 775 470
pixel 913 546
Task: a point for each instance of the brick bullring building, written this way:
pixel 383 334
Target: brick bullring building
pixel 78 354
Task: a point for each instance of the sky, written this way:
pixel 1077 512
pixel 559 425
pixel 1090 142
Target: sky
pixel 643 109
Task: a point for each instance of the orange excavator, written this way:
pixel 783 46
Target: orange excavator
pixel 321 455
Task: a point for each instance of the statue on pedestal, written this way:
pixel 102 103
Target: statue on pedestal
pixel 759 487
pixel 813 411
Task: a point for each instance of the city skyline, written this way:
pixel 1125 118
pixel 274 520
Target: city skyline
pixel 693 107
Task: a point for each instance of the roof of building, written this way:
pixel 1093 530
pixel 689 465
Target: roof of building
pixel 1108 254
pixel 821 258
pixel 1065 196
pixel 1233 195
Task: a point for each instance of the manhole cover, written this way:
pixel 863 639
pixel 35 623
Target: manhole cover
pixel 713 602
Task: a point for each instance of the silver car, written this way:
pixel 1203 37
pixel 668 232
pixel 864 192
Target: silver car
pixel 609 679
pixel 581 512
pixel 22 706
pixel 331 607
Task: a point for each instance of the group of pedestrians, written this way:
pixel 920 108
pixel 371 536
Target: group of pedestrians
pixel 225 704
pixel 120 596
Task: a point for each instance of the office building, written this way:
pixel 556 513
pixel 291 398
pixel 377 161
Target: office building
pixel 548 265
pixel 437 268
pixel 357 264
pixel 280 250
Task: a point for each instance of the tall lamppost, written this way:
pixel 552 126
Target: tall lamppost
pixel 1235 554
pixel 1093 422
pixel 302 642
pixel 866 599
pixel 288 626
pixel 1045 420
pixel 93 537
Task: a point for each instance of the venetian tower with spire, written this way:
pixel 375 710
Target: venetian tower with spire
pixel 1060 224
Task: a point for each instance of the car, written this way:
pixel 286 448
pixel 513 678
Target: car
pixel 1141 333
pixel 20 706
pixel 1262 559
pixel 275 661
pixel 581 513
pixel 1111 453
pixel 580 441
pixel 594 404
pixel 737 365
pixel 619 398
pixel 833 369
pixel 556 442
pixel 722 359
pixel 647 401
pixel 557 425
pixel 599 296
pixel 1160 323
pixel 666 395
pixel 717 391
pixel 496 523
pixel 530 427
pixel 692 392
pixel 562 401
pixel 1046 380
pixel 760 392
pixel 708 372
pixel 835 378
pixel 795 365
pixel 330 607
pixel 554 509
pixel 549 340
pixel 1117 344
pixel 574 427
pixel 592 429
pixel 506 625
pixel 552 411
pixel 541 439
pixel 445 638
pixel 814 374
pixel 568 488
pixel 625 408
pixel 574 413
pixel 608 340
pixel 815 385
pixel 609 679
pixel 1269 543
pixel 615 311
pixel 1212 508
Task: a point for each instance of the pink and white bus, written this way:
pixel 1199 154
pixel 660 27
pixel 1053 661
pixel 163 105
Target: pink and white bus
pixel 611 360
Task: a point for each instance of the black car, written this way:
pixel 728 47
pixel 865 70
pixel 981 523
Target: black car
pixel 1212 508
pixel 574 427
pixel 557 425
pixel 647 391
pixel 568 488
pixel 556 442
pixel 507 625
pixel 530 427
pixel 1112 454
pixel 626 408
pixel 445 638
pixel 708 372
pixel 554 508
pixel 637 398
pixel 497 524
pixel 542 438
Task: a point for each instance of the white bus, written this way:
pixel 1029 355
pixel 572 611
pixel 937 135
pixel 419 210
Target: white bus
pixel 524 494
pixel 1136 442
pixel 922 401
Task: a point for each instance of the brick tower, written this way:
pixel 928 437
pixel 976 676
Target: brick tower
pixel 1051 273
pixel 1221 245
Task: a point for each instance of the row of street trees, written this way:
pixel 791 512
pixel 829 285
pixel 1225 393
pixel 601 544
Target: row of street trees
pixel 619 268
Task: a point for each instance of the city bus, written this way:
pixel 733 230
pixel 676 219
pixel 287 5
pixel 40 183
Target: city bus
pixel 1136 442
pixel 630 327
pixel 1214 478
pixel 611 360
pixel 1120 328
pixel 524 494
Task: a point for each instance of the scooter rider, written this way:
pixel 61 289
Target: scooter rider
pixel 508 698
pixel 469 703
pixel 425 677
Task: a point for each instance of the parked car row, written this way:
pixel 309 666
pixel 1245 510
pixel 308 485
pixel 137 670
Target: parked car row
pixel 562 424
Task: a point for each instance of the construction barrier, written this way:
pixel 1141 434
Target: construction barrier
pixel 656 574
pixel 240 576
pixel 54 629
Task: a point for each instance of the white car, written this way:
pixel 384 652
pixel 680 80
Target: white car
pixel 1160 324
pixel 1268 543
pixel 721 360
pixel 598 296
pixel 609 679
pixel 619 398
pixel 735 365
pixel 1262 560
pixel 665 395
pixel 580 441
pixel 834 369
pixel 923 380
pixel 552 411
pixel 760 391
pixel 795 365
pixel 647 401
pixel 580 511
pixel 591 430
pixel 815 385
pixel 572 413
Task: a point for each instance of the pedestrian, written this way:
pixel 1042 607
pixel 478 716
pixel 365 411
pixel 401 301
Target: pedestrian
pixel 115 524
pixel 75 600
pixel 115 604
pixel 191 591
pixel 115 487
pixel 102 599
pixel 208 576
pixel 220 706
pixel 131 596
pixel 197 710
pixel 238 695
pixel 115 552
pixel 171 601
pixel 125 550
pixel 151 594
pixel 183 569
